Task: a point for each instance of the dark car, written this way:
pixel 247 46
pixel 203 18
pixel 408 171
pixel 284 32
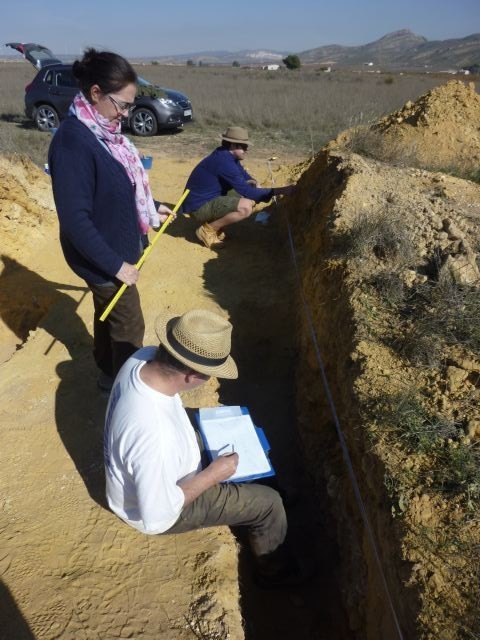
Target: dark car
pixel 49 95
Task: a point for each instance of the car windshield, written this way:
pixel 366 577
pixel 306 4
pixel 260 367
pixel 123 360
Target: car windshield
pixel 146 88
pixel 143 83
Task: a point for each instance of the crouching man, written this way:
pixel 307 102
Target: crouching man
pixel 154 478
pixel 222 192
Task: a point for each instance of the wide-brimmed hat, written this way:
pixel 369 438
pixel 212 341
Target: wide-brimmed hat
pixel 200 339
pixel 236 134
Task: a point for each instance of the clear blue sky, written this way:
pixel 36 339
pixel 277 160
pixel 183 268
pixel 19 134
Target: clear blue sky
pixel 147 28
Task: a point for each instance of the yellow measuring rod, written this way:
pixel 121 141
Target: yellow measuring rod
pixel 170 218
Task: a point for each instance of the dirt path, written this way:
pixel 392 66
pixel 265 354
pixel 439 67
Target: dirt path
pixel 70 569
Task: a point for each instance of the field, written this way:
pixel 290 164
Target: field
pixel 291 112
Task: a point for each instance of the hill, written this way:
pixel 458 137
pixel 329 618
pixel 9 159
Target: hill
pixel 401 49
pixel 245 57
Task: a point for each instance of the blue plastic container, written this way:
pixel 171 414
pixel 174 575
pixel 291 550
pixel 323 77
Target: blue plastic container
pixel 147 162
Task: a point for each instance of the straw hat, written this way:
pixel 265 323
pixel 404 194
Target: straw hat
pixel 236 134
pixel 200 339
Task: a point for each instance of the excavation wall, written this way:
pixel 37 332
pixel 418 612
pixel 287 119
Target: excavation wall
pixel 357 332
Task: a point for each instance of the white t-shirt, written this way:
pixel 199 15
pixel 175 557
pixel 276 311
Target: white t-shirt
pixel 149 445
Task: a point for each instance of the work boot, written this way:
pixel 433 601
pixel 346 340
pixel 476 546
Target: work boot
pixel 208 236
pixel 280 569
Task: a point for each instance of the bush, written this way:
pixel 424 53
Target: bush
pixel 389 286
pixel 292 61
pixel 419 431
pixel 381 235
pixel 447 312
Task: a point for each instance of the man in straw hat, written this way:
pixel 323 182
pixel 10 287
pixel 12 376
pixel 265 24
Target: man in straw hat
pixel 222 192
pixel 154 477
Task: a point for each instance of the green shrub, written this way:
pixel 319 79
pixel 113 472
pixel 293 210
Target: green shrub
pixel 292 61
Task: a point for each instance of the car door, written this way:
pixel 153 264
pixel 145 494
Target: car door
pixel 63 87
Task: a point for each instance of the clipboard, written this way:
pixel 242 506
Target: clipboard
pixel 225 426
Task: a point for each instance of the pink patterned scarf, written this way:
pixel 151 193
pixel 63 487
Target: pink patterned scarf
pixel 109 132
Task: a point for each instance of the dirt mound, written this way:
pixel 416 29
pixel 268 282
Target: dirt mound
pixel 441 127
pixel 381 241
pixel 440 131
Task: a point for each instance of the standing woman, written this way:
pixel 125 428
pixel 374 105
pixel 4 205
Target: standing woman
pixel 104 203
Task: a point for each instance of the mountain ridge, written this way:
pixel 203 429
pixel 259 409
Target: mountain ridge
pixel 401 48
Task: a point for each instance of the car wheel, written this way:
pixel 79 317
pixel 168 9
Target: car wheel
pixel 46 118
pixel 143 122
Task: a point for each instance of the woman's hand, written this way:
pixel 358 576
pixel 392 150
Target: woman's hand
pixel 164 212
pixel 128 274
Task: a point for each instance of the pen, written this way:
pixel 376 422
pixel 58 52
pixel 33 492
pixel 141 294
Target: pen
pixel 224 447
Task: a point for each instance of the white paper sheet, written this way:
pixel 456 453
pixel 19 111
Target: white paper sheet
pixel 226 427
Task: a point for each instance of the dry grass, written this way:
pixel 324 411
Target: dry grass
pixel 296 112
pixel 441 312
pixel 370 142
pixel 448 464
pixel 17 134
pixel 304 109
pixel 376 234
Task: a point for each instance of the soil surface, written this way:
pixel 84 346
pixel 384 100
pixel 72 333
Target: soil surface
pixel 413 228
pixel 70 568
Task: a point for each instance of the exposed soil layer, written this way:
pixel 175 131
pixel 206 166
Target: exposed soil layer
pixel 427 535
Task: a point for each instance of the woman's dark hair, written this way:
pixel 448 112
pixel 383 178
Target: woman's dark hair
pixel 109 70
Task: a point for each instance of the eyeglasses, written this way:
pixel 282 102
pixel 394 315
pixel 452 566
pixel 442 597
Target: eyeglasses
pixel 242 146
pixel 121 107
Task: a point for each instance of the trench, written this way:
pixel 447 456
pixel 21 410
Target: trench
pixel 254 281
pixel 264 313
pixel 345 480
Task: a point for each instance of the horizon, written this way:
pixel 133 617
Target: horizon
pixel 10 53
pixel 215 27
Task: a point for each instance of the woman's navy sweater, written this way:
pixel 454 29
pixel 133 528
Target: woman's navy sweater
pixel 95 202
